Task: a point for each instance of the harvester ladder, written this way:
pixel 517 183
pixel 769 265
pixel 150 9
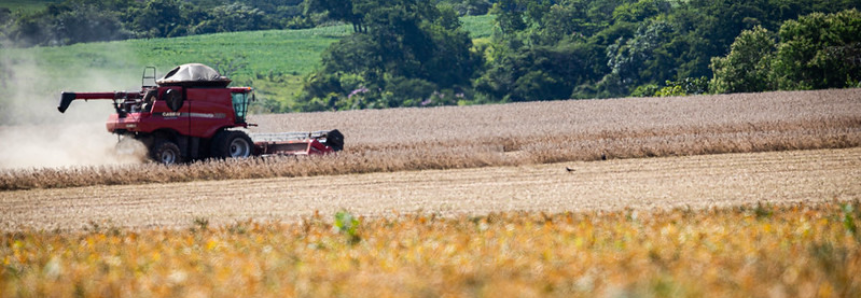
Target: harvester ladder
pixel 144 76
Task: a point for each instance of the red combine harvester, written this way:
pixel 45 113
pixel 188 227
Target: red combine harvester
pixel 191 114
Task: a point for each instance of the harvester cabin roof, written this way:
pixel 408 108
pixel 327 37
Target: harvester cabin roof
pixel 194 74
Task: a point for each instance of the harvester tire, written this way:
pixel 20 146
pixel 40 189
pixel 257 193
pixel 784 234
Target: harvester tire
pixel 166 152
pixel 335 139
pixel 232 144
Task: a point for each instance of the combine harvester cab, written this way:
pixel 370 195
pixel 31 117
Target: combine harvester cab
pixel 192 114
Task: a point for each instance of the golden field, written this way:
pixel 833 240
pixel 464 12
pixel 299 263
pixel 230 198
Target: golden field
pixel 744 195
pixel 514 134
pixel 759 250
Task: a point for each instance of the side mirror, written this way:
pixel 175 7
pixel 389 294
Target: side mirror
pixel 174 99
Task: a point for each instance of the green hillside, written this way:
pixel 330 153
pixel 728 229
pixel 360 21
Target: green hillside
pixel 542 50
pixel 259 52
pixel 273 62
pixel 478 26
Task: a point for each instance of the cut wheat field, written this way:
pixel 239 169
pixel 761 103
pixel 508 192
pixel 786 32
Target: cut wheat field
pixel 511 135
pixel 696 182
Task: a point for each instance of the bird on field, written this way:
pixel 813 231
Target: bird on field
pixel 569 169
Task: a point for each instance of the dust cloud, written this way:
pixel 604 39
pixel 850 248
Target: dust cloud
pixel 33 134
pixel 51 146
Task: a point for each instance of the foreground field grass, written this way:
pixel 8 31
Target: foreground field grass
pixel 786 250
pixel 510 135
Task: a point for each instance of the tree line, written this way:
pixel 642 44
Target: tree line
pixel 80 21
pixel 415 53
pixel 817 51
pixel 410 53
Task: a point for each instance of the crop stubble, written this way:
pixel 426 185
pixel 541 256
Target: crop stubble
pixel 658 183
pixel 517 134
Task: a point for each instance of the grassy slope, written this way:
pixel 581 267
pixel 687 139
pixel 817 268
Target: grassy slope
pixel 286 51
pixel 274 61
pixel 279 51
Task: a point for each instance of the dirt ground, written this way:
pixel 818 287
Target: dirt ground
pixel 694 181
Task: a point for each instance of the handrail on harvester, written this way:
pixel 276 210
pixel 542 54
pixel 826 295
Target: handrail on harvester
pixel 288 136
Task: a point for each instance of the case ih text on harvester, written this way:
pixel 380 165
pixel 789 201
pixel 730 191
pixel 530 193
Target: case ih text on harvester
pixel 191 114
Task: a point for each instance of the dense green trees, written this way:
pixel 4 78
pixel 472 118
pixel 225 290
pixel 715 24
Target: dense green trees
pixel 814 52
pixel 819 51
pixel 403 53
pixel 339 10
pixel 548 50
pixel 748 65
pixel 630 47
pixel 649 42
pixel 232 18
pixel 64 24
pixel 74 21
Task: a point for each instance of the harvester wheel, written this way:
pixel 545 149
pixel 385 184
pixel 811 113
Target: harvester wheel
pixel 166 152
pixel 232 144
